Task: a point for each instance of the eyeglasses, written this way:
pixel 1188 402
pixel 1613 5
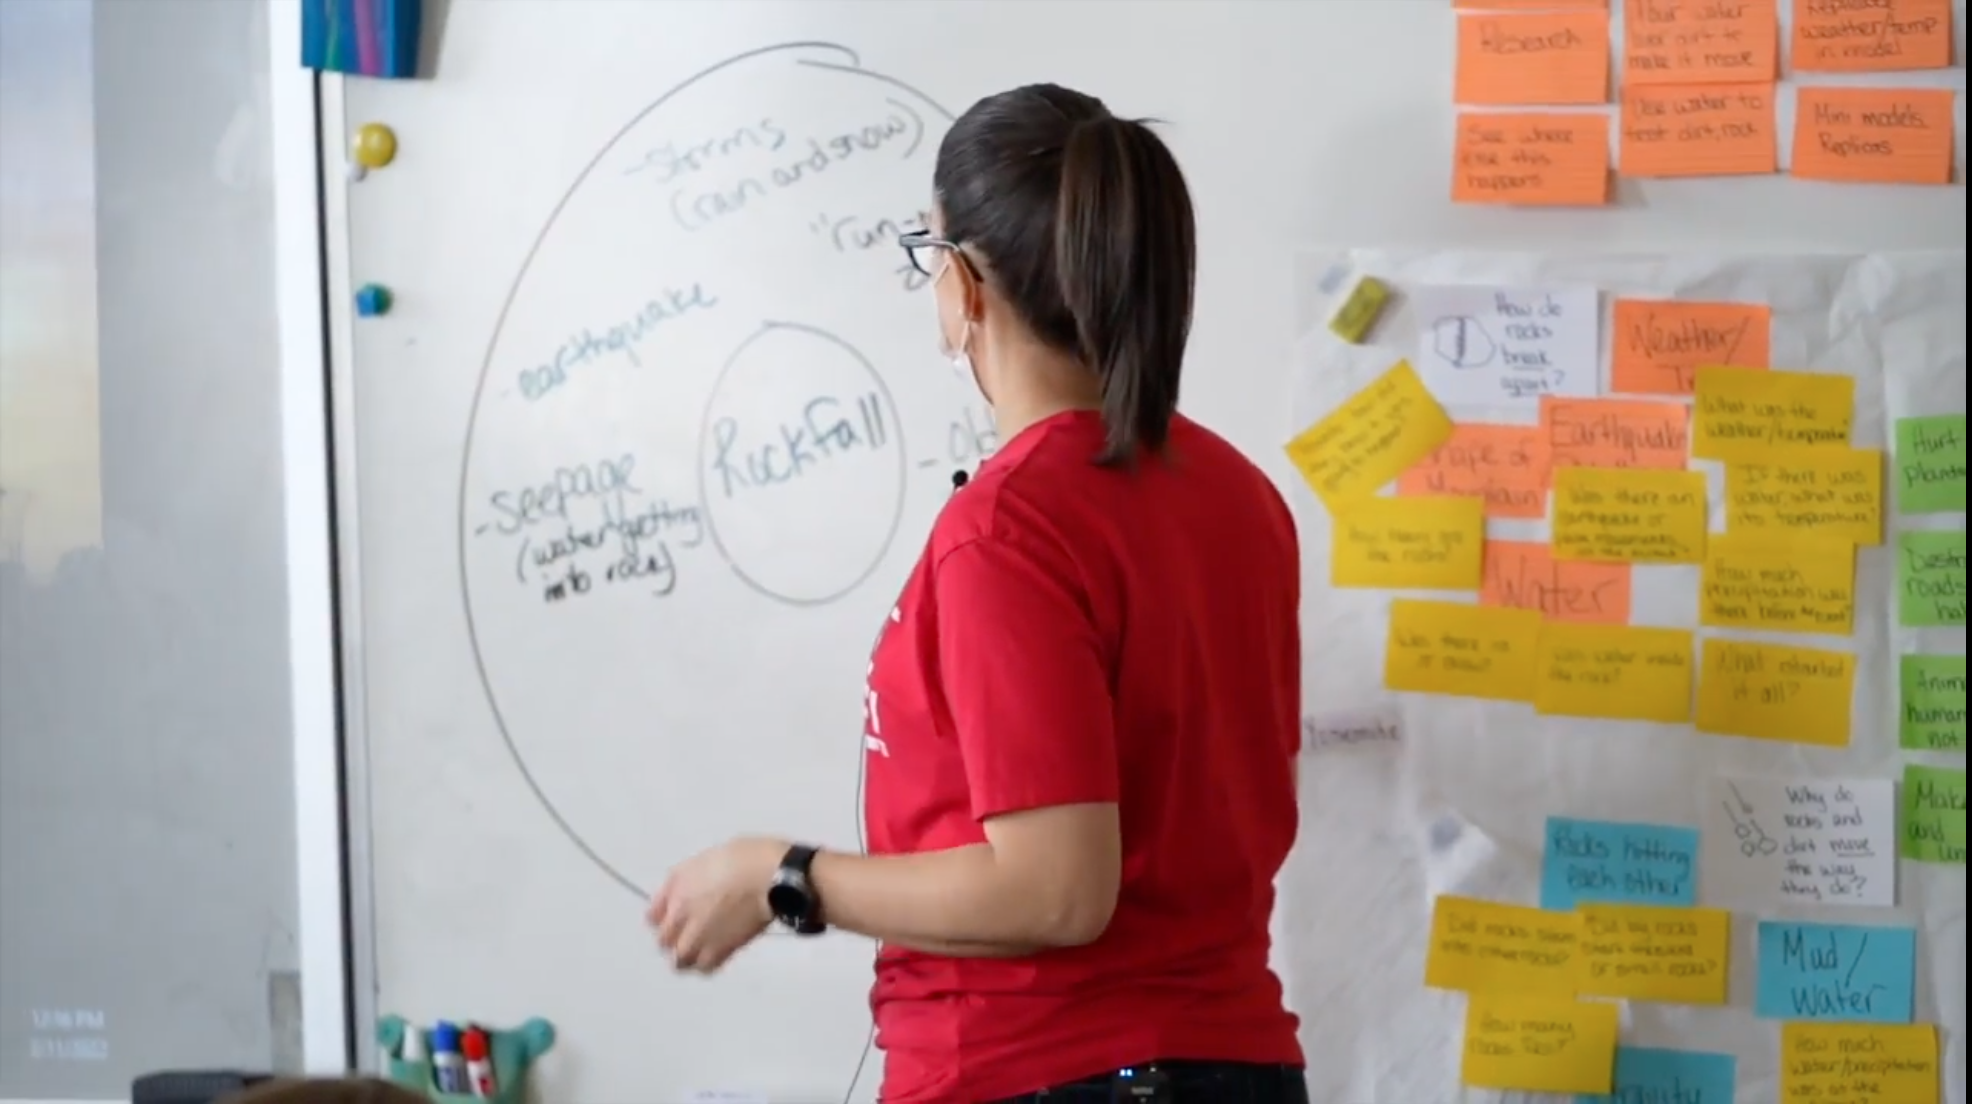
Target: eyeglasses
pixel 922 249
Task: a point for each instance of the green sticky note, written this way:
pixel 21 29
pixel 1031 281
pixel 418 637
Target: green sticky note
pixel 1931 709
pixel 1930 578
pixel 1930 465
pixel 1934 815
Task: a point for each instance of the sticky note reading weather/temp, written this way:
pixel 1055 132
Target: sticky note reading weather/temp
pixel 1931 705
pixel 1653 953
pixel 1531 160
pixel 1847 1063
pixel 1824 494
pixel 1408 543
pixel 1486 947
pixel 1930 465
pixel 1600 861
pixel 1871 37
pixel 1370 439
pixel 1658 345
pixel 1634 515
pixel 1836 973
pixel 1465 651
pixel 1934 814
pixel 1539 1044
pixel 1741 414
pixel 1931 578
pixel 1614 672
pixel 1770 692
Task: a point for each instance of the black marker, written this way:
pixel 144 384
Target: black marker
pixel 959 479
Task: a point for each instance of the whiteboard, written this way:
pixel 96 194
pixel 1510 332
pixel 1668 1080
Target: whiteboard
pixel 531 765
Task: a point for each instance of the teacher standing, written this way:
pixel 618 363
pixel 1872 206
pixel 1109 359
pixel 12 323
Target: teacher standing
pixel 1083 713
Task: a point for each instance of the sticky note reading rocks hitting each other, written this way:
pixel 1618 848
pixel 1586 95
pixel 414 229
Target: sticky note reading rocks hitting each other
pixel 1781 587
pixel 1607 862
pixel 1525 575
pixel 1616 433
pixel 1370 439
pixel 1531 160
pixel 1873 135
pixel 1539 1044
pixel 1506 466
pixel 1634 515
pixel 1408 543
pixel 1658 345
pixel 1782 842
pixel 1742 414
pixel 1771 692
pixel 1486 947
pixel 1930 465
pixel 1845 1063
pixel 1460 650
pixel 1653 953
pixel 1931 706
pixel 1931 578
pixel 1823 494
pixel 1648 1075
pixel 1836 973
pixel 1934 815
pixel 1614 672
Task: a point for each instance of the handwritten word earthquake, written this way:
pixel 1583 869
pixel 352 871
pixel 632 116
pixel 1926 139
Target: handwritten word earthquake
pixel 1774 692
pixel 1781 842
pixel 1613 433
pixel 1597 861
pixel 1371 438
pixel 1718 42
pixel 1842 973
pixel 1506 347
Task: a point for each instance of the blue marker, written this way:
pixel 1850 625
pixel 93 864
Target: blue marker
pixel 448 1064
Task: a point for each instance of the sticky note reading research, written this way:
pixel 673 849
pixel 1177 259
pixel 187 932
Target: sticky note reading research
pixel 1460 650
pixel 1836 973
pixel 1634 515
pixel 1370 439
pixel 1614 672
pixel 1408 543
pixel 1740 413
pixel 1653 953
pixel 1771 692
pixel 1539 1044
pixel 1845 1063
pixel 1487 947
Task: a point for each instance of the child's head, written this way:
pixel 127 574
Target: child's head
pixel 354 1090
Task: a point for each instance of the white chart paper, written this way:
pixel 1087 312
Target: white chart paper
pixel 1790 841
pixel 1505 347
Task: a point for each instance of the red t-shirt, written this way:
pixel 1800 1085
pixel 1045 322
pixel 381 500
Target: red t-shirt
pixel 1076 634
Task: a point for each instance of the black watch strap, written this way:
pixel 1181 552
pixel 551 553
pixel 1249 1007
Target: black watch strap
pixel 795 884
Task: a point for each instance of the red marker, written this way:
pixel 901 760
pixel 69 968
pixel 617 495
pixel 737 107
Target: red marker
pixel 479 1063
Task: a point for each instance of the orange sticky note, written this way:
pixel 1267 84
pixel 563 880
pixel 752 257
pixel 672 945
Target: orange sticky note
pixel 1615 433
pixel 1873 135
pixel 1697 130
pixel 1531 160
pixel 1529 5
pixel 1523 575
pixel 1847 36
pixel 1533 58
pixel 1658 344
pixel 1504 464
pixel 1701 41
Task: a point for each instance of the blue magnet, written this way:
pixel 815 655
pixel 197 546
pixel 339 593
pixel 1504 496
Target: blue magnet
pixel 372 301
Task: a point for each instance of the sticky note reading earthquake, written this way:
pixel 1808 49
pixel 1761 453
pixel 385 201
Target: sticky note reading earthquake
pixel 1847 1063
pixel 1781 587
pixel 1771 692
pixel 1408 543
pixel 1492 68
pixel 1614 672
pixel 1616 433
pixel 1487 947
pixel 1633 515
pixel 1539 1044
pixel 1460 650
pixel 1658 345
pixel 1370 439
pixel 1823 494
pixel 1742 413
pixel 1653 953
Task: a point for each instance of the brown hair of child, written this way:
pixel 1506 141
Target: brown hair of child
pixel 353 1090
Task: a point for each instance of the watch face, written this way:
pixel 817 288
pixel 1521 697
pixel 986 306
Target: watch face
pixel 788 902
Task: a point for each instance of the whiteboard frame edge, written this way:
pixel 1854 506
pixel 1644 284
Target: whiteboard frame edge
pixel 307 498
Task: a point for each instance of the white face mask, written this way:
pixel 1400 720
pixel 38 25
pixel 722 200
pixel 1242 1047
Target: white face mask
pixel 959 354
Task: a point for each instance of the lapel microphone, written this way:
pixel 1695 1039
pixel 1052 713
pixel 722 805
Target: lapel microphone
pixel 959 479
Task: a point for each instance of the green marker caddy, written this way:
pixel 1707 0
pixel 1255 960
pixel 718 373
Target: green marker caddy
pixel 513 1051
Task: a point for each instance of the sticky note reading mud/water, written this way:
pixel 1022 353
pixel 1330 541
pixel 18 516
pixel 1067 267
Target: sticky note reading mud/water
pixel 1460 650
pixel 1370 439
pixel 1609 862
pixel 1668 42
pixel 1931 705
pixel 1539 1044
pixel 1934 814
pixel 1614 672
pixel 1845 973
pixel 1616 433
pixel 1778 586
pixel 1659 344
pixel 1873 135
pixel 1870 36
pixel 1531 160
pixel 1742 413
pixel 1777 843
pixel 1931 578
pixel 1408 543
pixel 1770 692
pixel 1655 953
pixel 1506 466
pixel 1633 515
pixel 1824 494
pixel 1846 1063
pixel 1930 465
pixel 1525 575
pixel 1488 947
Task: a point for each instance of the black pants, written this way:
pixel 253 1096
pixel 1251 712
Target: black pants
pixel 1181 1082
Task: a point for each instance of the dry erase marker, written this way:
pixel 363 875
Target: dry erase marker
pixel 448 1066
pixel 479 1064
pixel 412 1047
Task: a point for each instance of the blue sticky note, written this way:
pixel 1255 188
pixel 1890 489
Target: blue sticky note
pixel 1606 862
pixel 1843 973
pixel 1672 1076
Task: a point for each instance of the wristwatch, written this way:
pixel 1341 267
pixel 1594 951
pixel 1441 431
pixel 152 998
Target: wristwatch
pixel 792 898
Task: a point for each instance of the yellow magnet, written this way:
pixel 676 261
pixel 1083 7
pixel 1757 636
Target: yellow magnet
pixel 375 146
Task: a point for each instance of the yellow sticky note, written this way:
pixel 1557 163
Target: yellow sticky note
pixel 1465 651
pixel 1629 515
pixel 1409 543
pixel 1539 1044
pixel 1487 947
pixel 1855 1063
pixel 1743 413
pixel 1783 587
pixel 1615 672
pixel 1826 494
pixel 1653 953
pixel 1772 692
pixel 1370 439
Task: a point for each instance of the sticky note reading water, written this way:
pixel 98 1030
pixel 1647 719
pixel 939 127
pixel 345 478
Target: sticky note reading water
pixel 1845 1063
pixel 1770 692
pixel 1824 494
pixel 1778 586
pixel 1614 672
pixel 1873 135
pixel 1647 1075
pixel 1465 651
pixel 1836 972
pixel 1773 843
pixel 1931 708
pixel 1931 578
pixel 1673 43
pixel 1659 345
pixel 1370 439
pixel 1653 953
pixel 1632 515
pixel 1408 543
pixel 1742 414
pixel 1487 947
pixel 1850 37
pixel 1616 433
pixel 1539 1044
pixel 1934 815
pixel 1600 861
pixel 1684 130
pixel 1930 465
pixel 1494 50
pixel 1531 160
pixel 1525 575
pixel 1504 465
